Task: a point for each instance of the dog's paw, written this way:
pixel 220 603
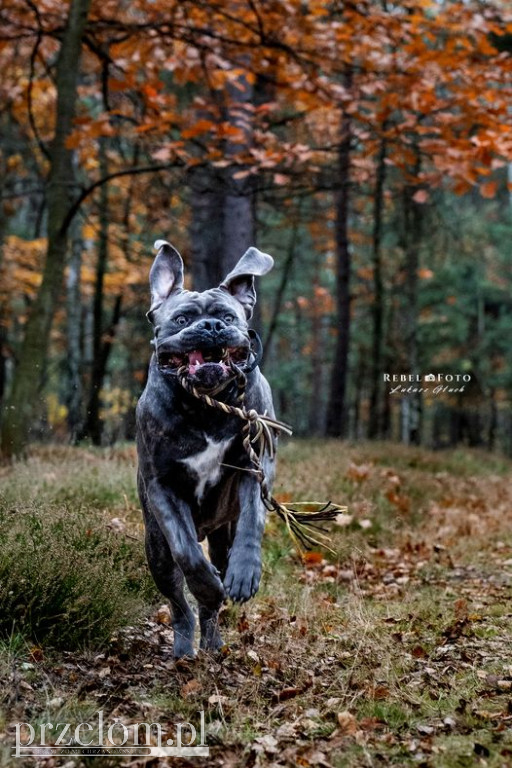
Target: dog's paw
pixel 242 579
pixel 183 648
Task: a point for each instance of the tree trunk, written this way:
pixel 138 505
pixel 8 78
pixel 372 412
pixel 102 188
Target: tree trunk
pixel 239 226
pixel 222 205
pixel 93 426
pixel 22 403
pixel 94 423
pixel 285 276
pixel 336 409
pixel 317 376
pixel 375 415
pixel 412 405
pixel 358 395
pixel 74 335
pixel 3 309
pixel 493 420
pixel 206 229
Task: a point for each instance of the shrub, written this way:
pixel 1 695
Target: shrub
pixel 65 579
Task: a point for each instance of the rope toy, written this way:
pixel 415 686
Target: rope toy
pixel 301 519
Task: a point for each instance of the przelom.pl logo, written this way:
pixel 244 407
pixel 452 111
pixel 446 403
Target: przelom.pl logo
pixel 98 739
pixel 426 384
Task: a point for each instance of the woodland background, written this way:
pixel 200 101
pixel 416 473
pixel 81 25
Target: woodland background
pixel 365 145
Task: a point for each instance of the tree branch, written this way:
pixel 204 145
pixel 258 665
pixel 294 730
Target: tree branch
pixel 116 175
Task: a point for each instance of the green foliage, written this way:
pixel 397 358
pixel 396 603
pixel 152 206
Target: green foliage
pixel 65 579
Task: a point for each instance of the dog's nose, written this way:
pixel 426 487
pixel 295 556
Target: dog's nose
pixel 210 324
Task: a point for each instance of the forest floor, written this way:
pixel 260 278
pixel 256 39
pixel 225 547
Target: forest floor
pixel 396 651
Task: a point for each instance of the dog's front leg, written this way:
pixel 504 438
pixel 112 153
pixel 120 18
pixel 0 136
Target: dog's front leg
pixel 175 520
pixel 244 568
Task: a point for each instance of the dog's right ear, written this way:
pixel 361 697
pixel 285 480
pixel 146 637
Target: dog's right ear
pixel 166 275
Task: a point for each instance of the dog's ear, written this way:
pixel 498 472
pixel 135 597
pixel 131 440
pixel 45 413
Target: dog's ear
pixel 166 275
pixel 240 281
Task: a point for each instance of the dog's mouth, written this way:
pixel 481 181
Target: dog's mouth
pixel 192 361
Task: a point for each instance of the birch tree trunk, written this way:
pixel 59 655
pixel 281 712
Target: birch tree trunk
pixel 24 398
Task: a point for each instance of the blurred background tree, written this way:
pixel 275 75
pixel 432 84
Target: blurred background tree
pixel 365 145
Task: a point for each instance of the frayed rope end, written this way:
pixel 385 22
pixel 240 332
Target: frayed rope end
pixel 304 518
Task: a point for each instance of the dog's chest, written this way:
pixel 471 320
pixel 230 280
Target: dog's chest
pixel 205 466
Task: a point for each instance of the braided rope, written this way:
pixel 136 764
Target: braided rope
pixel 257 440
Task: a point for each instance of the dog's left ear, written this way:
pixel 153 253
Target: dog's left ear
pixel 166 275
pixel 240 281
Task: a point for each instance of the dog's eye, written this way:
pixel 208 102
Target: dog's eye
pixel 229 319
pixel 180 320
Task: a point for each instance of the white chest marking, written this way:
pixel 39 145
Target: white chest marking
pixel 206 465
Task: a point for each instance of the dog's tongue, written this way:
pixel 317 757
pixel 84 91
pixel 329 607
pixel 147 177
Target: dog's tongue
pixel 195 359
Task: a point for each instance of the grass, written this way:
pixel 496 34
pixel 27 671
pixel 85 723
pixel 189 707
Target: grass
pixel 68 579
pixel 396 651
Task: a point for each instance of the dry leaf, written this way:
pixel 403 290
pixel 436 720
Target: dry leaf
pixel 163 615
pixel 312 558
pixel 217 698
pixel 358 472
pixel 343 519
pixel 347 722
pixel 36 653
pixel 193 686
pixel 105 672
pixel 268 742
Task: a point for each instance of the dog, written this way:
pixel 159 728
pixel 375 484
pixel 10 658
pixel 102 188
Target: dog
pixel 194 474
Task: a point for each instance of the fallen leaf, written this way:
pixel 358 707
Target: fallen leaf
pixel 268 742
pixel 193 686
pixel 242 623
pixel 117 525
pixel 461 608
pixel 312 558
pixel 104 672
pixel 358 472
pixel 347 722
pixel 287 693
pixel 36 653
pixel 163 615
pixel 217 698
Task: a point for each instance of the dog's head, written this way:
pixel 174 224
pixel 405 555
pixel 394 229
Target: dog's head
pixel 202 333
